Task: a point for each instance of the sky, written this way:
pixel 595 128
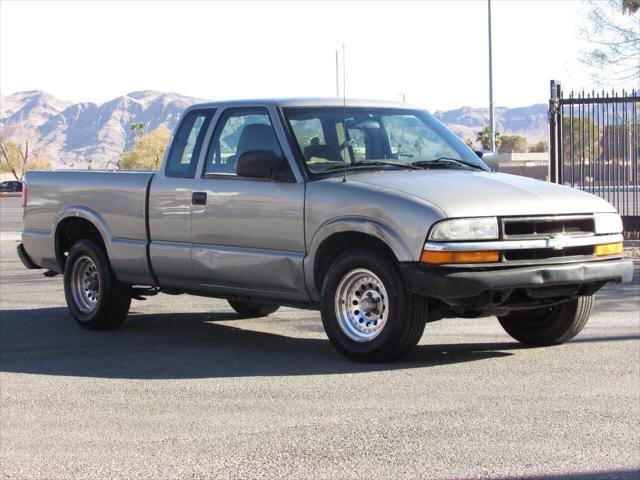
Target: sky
pixel 435 52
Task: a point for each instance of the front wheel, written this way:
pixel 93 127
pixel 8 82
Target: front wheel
pixel 366 311
pixel 549 325
pixel 96 299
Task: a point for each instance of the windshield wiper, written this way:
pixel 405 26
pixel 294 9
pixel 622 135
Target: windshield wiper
pixel 364 163
pixel 445 161
pixel 373 163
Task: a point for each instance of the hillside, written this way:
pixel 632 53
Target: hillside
pixel 530 122
pixel 79 134
pixel 74 135
pixel 32 108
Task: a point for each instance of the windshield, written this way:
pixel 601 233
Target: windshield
pixel 381 138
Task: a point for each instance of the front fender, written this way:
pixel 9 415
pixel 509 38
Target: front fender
pixel 368 226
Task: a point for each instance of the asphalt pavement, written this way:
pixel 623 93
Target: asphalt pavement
pixel 10 214
pixel 185 389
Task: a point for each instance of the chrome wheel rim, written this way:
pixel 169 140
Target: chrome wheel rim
pixel 85 284
pixel 362 305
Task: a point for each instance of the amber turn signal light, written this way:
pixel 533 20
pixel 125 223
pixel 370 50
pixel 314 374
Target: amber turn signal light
pixel 609 249
pixel 437 257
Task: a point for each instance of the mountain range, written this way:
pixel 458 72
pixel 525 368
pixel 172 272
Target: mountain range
pixel 530 122
pixel 81 134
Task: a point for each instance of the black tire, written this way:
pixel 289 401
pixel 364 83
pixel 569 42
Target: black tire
pixel 550 325
pixel 253 309
pixel 406 315
pixel 114 299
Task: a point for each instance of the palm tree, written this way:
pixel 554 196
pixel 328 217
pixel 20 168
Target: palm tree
pixel 484 137
pixel 630 6
pixel 138 128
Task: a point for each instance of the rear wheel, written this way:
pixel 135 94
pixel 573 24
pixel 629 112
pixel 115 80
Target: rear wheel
pixel 366 311
pixel 253 309
pixel 96 299
pixel 549 325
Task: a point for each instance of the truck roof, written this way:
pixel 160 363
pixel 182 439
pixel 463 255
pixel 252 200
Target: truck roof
pixel 306 102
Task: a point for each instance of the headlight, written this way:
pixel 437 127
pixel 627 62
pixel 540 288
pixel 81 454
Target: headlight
pixel 485 228
pixel 607 223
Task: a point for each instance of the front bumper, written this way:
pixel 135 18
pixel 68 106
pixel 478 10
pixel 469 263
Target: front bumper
pixel 450 283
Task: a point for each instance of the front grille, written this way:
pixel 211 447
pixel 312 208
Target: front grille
pixel 546 226
pixel 537 228
pixel 546 253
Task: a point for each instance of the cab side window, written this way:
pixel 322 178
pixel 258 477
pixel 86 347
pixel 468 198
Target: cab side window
pixel 238 131
pixel 187 143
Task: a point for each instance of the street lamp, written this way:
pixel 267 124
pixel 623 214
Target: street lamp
pixel 492 124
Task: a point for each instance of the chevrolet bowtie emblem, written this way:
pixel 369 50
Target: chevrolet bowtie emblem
pixel 557 242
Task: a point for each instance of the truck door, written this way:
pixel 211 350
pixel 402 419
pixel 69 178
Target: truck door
pixel 247 233
pixel 170 203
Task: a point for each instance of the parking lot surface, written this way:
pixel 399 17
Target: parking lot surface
pixel 185 389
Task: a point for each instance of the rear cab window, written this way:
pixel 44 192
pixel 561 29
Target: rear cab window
pixel 187 144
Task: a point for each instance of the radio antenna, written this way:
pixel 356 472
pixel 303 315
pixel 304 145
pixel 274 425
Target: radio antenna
pixel 337 77
pixel 344 113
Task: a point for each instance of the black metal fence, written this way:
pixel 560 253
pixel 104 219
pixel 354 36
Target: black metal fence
pixel 594 145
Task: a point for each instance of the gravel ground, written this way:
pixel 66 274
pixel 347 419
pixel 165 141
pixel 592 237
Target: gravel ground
pixel 633 253
pixel 633 250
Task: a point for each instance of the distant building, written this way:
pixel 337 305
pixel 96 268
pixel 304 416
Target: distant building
pixel 533 165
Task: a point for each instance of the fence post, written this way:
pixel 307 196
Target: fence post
pixel 553 130
pixel 559 135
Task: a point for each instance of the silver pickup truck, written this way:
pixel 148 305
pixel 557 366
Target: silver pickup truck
pixel 375 213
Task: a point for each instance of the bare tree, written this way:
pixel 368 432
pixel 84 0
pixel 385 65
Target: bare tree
pixel 19 152
pixel 613 29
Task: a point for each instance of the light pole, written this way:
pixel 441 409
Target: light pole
pixel 492 124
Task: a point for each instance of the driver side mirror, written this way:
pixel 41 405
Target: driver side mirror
pixel 491 159
pixel 263 164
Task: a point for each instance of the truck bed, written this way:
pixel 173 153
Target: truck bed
pixel 116 202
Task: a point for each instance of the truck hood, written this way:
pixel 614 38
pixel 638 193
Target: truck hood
pixel 464 193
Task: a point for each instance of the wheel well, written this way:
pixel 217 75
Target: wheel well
pixel 338 243
pixel 69 231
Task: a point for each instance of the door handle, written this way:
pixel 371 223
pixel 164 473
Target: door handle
pixel 199 198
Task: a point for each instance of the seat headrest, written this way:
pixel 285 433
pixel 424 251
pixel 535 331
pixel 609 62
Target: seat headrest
pixel 257 136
